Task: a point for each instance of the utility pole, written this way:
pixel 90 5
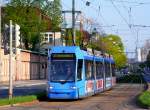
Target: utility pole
pixel 0 39
pixel 137 47
pixel 81 30
pixel 130 25
pixel 73 22
pixel 53 21
pixel 137 39
pixel 10 65
pixel 0 25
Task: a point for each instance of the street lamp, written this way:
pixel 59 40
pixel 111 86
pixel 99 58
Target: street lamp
pixel 93 35
pixel 94 32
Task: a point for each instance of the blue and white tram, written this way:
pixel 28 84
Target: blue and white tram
pixel 74 73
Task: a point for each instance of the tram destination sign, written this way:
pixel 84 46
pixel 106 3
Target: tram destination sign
pixel 63 56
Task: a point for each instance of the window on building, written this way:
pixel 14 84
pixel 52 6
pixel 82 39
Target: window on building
pixel 50 40
pixel 46 38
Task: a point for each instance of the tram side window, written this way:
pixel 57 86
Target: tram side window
pixel 89 70
pixel 99 70
pixel 79 73
pixel 107 69
pixel 113 69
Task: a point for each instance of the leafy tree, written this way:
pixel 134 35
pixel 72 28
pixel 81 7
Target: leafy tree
pixel 113 45
pixel 34 17
pixel 82 38
pixel 55 15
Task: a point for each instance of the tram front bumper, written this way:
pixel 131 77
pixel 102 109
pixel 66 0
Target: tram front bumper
pixel 62 94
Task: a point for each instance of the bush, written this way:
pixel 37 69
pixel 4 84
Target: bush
pixel 144 99
pixel 131 78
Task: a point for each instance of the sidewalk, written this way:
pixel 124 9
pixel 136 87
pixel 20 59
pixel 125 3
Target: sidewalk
pixel 25 83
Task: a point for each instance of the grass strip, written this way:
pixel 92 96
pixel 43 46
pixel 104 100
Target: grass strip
pixel 22 99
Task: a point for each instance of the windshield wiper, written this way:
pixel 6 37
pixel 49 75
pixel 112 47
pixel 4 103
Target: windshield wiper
pixel 67 79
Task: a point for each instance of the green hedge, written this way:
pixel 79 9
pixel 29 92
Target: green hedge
pixel 22 99
pixel 144 99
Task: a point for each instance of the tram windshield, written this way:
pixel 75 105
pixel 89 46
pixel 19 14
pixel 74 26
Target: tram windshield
pixel 62 70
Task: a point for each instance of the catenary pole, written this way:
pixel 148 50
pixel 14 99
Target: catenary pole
pixel 73 22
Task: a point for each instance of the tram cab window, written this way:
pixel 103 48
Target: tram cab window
pixel 89 73
pixel 79 71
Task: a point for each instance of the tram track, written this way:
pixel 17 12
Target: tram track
pixel 131 104
pixel 121 97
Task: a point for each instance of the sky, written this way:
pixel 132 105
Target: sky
pixel 130 19
pixel 4 1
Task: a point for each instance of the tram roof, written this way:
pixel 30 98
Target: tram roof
pixel 109 60
pixel 65 49
pixel 68 49
pixel 80 54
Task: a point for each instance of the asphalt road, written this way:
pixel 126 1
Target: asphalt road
pixel 121 97
pixel 21 88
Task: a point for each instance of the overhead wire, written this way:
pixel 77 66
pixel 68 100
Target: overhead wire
pixel 118 11
pixel 129 24
pixel 100 14
pixel 84 19
pixel 132 2
pixel 124 19
pixel 94 20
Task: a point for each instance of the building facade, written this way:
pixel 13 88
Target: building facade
pixel 50 39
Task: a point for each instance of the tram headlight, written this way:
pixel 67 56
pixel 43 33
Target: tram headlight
pixel 73 87
pixel 49 87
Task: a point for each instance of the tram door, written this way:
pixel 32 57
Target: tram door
pixel 80 78
pixel 107 75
